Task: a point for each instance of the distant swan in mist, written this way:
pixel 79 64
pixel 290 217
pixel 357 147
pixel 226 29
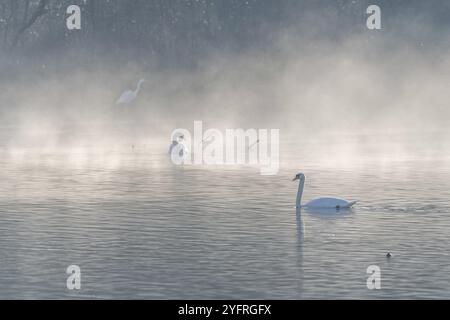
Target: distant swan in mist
pixel 129 95
pixel 319 203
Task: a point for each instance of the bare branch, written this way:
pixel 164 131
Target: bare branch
pixel 40 11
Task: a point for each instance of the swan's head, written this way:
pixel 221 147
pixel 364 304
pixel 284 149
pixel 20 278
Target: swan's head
pixel 142 81
pixel 299 176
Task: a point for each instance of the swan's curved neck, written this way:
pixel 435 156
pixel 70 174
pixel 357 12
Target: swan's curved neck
pixel 301 184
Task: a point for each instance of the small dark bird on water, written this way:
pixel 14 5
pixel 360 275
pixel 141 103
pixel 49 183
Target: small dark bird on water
pixel 388 255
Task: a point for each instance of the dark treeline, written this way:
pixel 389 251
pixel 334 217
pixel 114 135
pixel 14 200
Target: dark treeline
pixel 184 30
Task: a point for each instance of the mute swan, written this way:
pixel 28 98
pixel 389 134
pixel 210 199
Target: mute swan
pixel 129 95
pixel 319 203
pixel 178 151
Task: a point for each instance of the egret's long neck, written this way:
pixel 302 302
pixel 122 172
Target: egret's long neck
pixel 138 87
pixel 301 184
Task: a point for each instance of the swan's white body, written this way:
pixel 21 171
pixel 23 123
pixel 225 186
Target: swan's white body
pixel 129 95
pixel 178 152
pixel 319 203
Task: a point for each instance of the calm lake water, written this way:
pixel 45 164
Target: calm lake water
pixel 139 227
